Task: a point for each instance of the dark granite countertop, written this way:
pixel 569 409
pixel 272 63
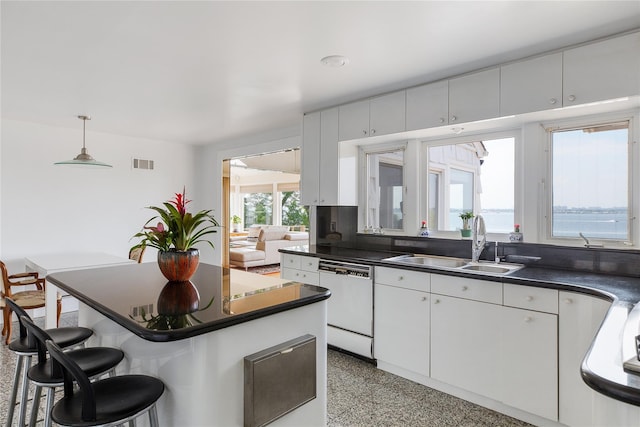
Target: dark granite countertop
pixel 140 299
pixel 602 368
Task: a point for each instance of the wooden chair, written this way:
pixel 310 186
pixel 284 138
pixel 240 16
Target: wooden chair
pixel 137 253
pixel 26 299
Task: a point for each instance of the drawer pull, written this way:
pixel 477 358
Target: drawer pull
pixel 464 288
pixel 424 298
pixel 568 301
pixel 529 298
pixel 400 278
pixel 437 301
pixel 528 319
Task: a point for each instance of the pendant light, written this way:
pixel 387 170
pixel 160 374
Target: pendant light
pixel 83 158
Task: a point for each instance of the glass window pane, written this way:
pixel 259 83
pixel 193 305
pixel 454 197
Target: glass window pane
pixel 258 209
pixel 292 212
pixel 497 177
pixel 590 182
pixel 460 196
pixel 385 190
pixel 434 200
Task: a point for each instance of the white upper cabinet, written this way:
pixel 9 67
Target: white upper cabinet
pixel 310 166
pixel 320 175
pixel 372 117
pixel 428 105
pixel 329 172
pixel 474 97
pixel 531 85
pixel 604 70
pixel 354 120
pixel 387 114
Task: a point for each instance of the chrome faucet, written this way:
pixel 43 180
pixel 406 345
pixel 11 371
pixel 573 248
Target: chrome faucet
pixel 478 238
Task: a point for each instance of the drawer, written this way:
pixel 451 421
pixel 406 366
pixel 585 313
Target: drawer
pixel 407 279
pixel 473 289
pixel 531 298
pixel 291 261
pixel 309 263
pixel 302 276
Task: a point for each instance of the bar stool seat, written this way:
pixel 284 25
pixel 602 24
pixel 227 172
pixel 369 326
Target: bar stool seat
pixel 93 361
pixel 110 401
pixel 64 337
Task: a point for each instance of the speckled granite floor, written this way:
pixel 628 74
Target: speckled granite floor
pixel 358 395
pixel 361 395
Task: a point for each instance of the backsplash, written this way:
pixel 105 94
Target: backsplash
pixel 595 260
pixel 336 226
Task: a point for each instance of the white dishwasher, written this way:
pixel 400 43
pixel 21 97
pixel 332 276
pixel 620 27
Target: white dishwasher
pixel 350 307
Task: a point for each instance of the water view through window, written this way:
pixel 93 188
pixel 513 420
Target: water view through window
pixel 590 182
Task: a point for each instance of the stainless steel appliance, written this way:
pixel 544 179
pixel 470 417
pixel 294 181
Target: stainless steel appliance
pixel 350 308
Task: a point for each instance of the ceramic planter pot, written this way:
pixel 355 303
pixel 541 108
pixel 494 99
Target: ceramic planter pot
pixel 465 232
pixel 178 298
pixel 178 266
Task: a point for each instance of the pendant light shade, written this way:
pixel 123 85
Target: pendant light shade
pixel 83 158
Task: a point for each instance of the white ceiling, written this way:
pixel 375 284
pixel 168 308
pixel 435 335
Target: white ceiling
pixel 202 72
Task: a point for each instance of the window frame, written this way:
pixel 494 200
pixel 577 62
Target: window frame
pixel 518 185
pixel 363 152
pixel 546 213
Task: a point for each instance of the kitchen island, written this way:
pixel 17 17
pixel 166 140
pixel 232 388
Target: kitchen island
pixel 195 335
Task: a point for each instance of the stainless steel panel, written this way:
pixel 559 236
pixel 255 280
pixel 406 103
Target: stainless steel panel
pixel 279 379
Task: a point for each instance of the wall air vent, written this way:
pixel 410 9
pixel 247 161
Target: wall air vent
pixel 142 164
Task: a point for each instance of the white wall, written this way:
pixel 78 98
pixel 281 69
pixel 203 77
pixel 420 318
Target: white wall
pixel 46 208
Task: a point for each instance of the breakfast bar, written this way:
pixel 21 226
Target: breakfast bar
pixel 199 336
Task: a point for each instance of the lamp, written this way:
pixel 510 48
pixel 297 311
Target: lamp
pixel 83 158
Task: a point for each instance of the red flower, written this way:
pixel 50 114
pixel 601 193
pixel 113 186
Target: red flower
pixel 180 202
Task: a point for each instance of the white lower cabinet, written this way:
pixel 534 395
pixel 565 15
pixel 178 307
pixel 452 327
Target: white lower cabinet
pixel 529 368
pixel 402 328
pixel 299 268
pixel 465 344
pixel 579 321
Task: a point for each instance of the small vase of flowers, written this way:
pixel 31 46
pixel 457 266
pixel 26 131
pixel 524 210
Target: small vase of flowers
pixel 175 235
pixel 515 236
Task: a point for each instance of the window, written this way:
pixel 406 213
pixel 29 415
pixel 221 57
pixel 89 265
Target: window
pixel 292 212
pixel 385 189
pixel 475 176
pixel 590 179
pixel 258 208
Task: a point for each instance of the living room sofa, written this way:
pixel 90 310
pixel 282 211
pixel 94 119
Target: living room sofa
pixel 265 252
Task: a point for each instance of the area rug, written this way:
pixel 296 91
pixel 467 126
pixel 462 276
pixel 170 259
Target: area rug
pixel 263 269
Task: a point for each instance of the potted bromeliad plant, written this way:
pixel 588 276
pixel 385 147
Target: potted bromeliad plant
pixel 466 217
pixel 175 235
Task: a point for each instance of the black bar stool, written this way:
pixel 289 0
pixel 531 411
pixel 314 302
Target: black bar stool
pixel 94 362
pixel 106 402
pixel 64 337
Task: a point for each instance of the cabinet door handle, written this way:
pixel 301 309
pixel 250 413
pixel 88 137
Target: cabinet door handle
pixel 441 120
pixel 571 98
pixel 364 132
pixel 437 301
pixel 424 298
pixel 553 101
pixel 373 131
pixel 453 118
pixel 528 319
pixel 568 301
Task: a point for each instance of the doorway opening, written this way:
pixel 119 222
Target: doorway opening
pixel 264 213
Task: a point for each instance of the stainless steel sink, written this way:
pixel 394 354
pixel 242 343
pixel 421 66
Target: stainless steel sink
pixel 430 260
pixel 459 264
pixel 487 268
